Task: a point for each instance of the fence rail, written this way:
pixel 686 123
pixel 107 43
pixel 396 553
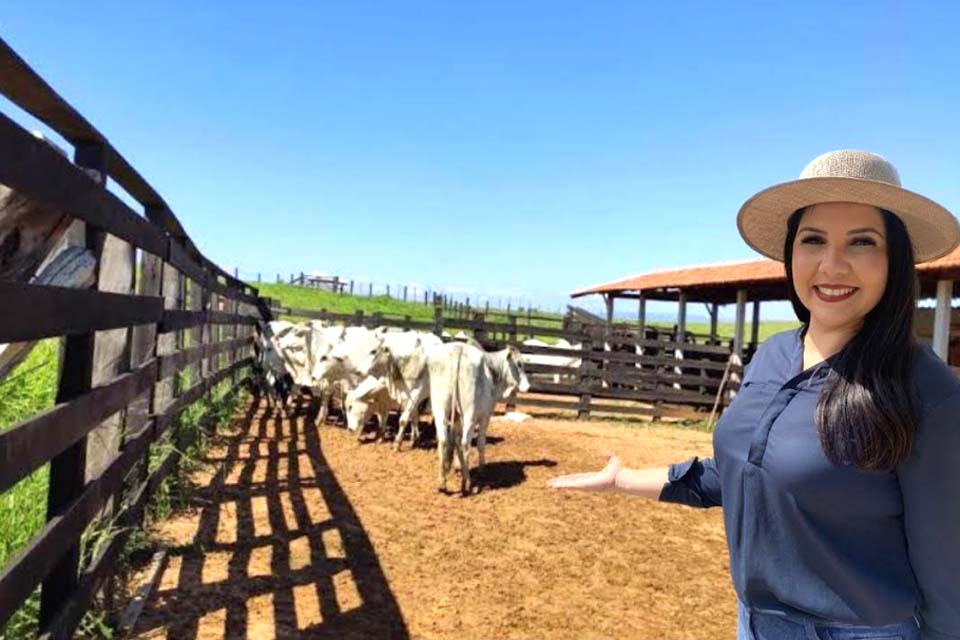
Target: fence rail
pixel 160 329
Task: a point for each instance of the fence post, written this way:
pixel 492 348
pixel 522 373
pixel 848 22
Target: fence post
pixel 370 290
pixel 68 469
pixel 584 377
pixel 388 291
pixel 479 333
pixel 404 293
pixel 351 287
pixel 438 321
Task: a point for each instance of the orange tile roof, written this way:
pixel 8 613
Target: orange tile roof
pixel 745 274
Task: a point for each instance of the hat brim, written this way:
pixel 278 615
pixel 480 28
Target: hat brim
pixel 762 220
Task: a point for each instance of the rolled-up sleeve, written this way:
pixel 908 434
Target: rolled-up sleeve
pixel 931 502
pixel 695 483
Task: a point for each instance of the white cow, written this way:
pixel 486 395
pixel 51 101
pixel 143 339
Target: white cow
pixel 465 385
pixel 370 398
pixel 408 354
pixel 551 360
pixel 276 367
pixel 360 353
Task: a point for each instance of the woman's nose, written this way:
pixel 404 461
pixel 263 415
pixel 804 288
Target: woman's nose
pixel 834 260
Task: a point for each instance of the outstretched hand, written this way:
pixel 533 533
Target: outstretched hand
pixel 602 480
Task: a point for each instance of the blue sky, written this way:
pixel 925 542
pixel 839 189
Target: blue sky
pixel 514 148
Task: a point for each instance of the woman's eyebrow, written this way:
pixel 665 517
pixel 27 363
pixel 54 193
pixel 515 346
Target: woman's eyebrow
pixel 851 232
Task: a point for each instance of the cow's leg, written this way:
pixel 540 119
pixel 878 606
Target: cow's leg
pixel 443 448
pixel 382 424
pixel 402 428
pixel 414 428
pixel 482 443
pixel 324 407
pixel 463 456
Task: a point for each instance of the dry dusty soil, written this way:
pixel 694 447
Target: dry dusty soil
pixel 296 531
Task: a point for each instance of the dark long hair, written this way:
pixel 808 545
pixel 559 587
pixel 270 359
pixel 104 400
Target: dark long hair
pixel 866 413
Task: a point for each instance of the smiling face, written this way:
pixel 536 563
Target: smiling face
pixel 840 263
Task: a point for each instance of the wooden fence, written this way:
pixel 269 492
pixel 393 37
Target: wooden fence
pixel 160 329
pixel 641 375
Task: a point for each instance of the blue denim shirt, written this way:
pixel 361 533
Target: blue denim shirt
pixel 829 543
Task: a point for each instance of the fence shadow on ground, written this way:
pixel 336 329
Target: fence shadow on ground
pixel 278 552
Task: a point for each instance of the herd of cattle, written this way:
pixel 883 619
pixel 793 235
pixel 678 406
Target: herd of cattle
pixel 370 373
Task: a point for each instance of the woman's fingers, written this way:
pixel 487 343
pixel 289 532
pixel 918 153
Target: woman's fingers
pixel 590 480
pixel 572 480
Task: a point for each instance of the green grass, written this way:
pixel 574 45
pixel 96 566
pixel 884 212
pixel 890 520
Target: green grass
pixel 29 389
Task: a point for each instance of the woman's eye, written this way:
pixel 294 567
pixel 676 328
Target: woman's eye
pixel 864 242
pixel 812 240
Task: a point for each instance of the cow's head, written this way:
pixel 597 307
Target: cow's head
pixel 511 374
pixel 357 403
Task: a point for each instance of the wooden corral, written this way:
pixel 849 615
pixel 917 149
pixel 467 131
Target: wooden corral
pixel 155 327
pixel 650 370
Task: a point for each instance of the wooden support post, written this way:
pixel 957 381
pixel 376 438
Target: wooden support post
pixel 738 328
pixel 941 319
pixel 478 333
pixel 68 469
pixel 438 321
pixel 641 326
pixel 608 299
pixel 755 326
pixel 585 377
pixel 681 336
pixel 714 309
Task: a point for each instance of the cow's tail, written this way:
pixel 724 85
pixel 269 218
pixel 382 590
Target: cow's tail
pixel 454 410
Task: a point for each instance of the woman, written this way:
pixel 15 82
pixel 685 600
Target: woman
pixel 836 463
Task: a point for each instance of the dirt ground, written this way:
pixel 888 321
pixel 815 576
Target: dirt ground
pixel 300 532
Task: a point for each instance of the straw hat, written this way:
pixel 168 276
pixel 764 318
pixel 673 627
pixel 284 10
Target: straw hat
pixel 847 176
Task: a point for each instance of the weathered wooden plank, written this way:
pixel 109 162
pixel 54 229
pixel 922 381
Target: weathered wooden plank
pixel 61 534
pixel 29 233
pixel 30 444
pixel 196 392
pixel 178 319
pixel 44 311
pixel 111 355
pixel 179 258
pixel 173 363
pixel 34 169
pixel 31 565
pixel 74 267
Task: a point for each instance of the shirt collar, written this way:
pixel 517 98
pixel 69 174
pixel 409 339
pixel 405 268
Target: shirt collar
pixel 815 374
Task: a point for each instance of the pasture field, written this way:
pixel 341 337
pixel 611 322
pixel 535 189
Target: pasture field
pixel 304 532
pixel 308 298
